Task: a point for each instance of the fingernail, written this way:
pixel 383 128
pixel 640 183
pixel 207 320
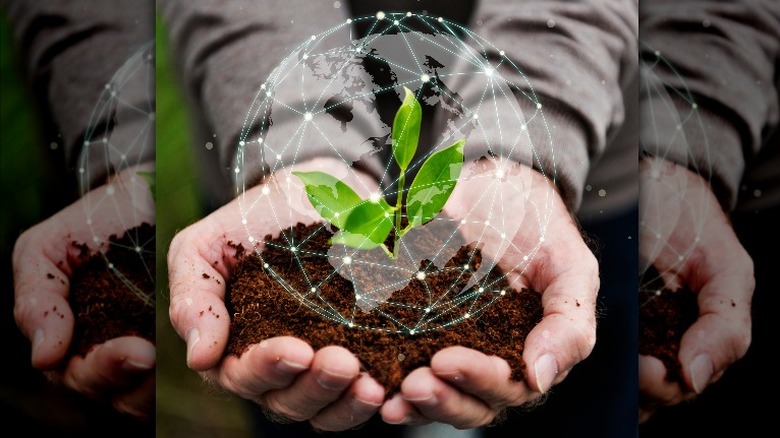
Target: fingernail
pixel 192 337
pixel 545 370
pixel 701 372
pixel 142 359
pixel 333 381
pixel 399 422
pixel 360 405
pixel 454 376
pixel 38 338
pixel 430 400
pixel 289 366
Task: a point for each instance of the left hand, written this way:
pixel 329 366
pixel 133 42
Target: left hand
pixel 467 388
pixel 119 371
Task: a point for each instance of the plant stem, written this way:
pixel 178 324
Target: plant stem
pixel 398 210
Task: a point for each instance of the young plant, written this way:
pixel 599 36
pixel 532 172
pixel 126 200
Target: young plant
pixel 366 224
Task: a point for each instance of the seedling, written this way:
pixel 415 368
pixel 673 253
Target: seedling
pixel 367 223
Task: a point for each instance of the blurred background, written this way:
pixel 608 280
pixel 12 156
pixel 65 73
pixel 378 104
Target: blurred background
pixel 30 191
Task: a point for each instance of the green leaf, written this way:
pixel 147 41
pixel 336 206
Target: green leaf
pixel 332 198
pixel 406 130
pixel 151 180
pixel 433 184
pixel 367 226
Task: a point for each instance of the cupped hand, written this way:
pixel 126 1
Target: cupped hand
pixel 119 371
pixel 688 239
pixel 521 221
pixel 284 375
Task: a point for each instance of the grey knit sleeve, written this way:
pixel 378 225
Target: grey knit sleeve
pixel 578 59
pixel 717 63
pixel 72 52
pixel 227 53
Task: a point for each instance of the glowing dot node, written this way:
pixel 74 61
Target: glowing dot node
pixel 251 239
pixel 502 53
pixel 336 214
pixel 463 221
pixel 539 105
pixel 288 179
pixel 475 116
pixel 314 289
pixel 137 249
pixel 411 332
pixel 694 106
pixel 305 56
pixel 440 19
pixel 480 290
pixel 236 170
pixel 375 197
pixel 95 239
pixel 523 127
pixel 81 170
pixel 265 190
pixel 602 193
pixel 420 276
pixel 396 22
pixel 657 293
pixel 313 37
pixel 525 258
pixel 351 324
pixel 499 174
pixel 243 221
pixel 209 145
pixel 278 156
pixel 503 292
pixel 89 221
pixel 347 260
pixel 86 143
pixel 541 239
pixel 380 15
pixel 427 310
pixel 307 116
pixel 110 266
pixel 467 316
pixel 425 78
pixel 110 190
pixel 260 140
pixel 105 139
pixel 293 249
pixel 489 72
pixel 349 20
pixel 262 87
pixel 503 235
pixel 466 267
pixel 487 223
pixel 408 14
pixel 265 265
pixel 550 23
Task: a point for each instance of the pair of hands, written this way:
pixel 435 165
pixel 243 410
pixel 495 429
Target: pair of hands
pixel 686 235
pixel 121 370
pixel 462 387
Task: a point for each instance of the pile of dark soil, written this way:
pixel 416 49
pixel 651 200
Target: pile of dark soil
pixel 104 290
pixel 261 308
pixel 664 316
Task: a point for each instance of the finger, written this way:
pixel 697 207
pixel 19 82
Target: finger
pixel 441 402
pixel 359 403
pixel 722 333
pixel 110 366
pixel 654 389
pixel 41 309
pixel 332 370
pixel 396 410
pixel 272 364
pixel 197 283
pixel 568 276
pixel 487 378
pixel 139 401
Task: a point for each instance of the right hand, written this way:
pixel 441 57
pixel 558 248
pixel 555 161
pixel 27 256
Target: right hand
pixel 687 237
pixel 283 374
